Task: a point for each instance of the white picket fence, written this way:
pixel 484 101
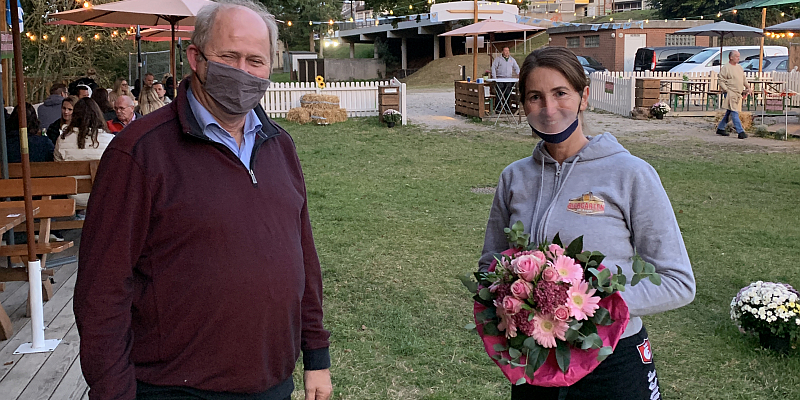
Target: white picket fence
pixel 615 91
pixel 360 99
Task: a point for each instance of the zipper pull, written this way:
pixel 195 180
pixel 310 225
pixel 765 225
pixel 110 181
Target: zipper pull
pixel 253 176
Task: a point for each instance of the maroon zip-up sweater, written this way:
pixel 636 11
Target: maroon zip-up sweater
pixel 195 271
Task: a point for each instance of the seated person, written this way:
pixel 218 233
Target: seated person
pixel 84 91
pixel 123 107
pixel 40 148
pixel 50 110
pixel 148 100
pixel 162 93
pixel 55 129
pixel 100 96
pixel 83 139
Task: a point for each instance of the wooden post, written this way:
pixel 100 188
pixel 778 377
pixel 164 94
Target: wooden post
pixel 761 51
pixel 475 43
pixel 6 65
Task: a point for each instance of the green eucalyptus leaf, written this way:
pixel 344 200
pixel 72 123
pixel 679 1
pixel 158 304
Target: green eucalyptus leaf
pixel 638 265
pixel 583 257
pixel 530 343
pixel 470 326
pixel 467 281
pixel 588 328
pixel 571 335
pixel 499 347
pixel 604 352
pixel 497 357
pixel 503 361
pixel 563 355
pixel 636 279
pixel 514 353
pixel 520 381
pixel 649 268
pixel 485 294
pixel 602 317
pixel 490 328
pixel 655 279
pixel 517 365
pixel 516 341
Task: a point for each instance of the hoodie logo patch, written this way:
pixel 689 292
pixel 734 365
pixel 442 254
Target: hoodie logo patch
pixel 587 204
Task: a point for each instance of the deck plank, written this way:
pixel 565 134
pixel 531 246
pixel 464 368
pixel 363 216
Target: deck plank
pixel 46 380
pixel 57 324
pixel 72 386
pixel 25 367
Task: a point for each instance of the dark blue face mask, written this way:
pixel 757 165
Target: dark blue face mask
pixel 560 136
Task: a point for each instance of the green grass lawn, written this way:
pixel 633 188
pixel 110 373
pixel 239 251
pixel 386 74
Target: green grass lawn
pixel 395 222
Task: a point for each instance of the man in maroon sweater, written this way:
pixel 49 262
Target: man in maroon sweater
pixel 198 277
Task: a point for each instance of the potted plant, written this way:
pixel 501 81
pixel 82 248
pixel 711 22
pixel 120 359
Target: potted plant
pixel 486 74
pixel 771 310
pixel 391 117
pixel 660 109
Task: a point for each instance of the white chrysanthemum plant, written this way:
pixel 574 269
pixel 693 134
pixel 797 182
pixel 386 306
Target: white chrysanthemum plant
pixel 660 108
pixel 767 308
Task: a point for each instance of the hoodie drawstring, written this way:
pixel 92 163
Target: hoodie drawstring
pixel 541 232
pixel 534 227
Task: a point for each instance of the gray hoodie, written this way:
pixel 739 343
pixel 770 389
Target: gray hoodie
pixel 615 200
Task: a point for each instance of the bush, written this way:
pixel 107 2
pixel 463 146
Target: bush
pixel 761 131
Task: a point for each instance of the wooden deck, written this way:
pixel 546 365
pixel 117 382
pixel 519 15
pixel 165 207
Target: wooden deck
pixel 41 376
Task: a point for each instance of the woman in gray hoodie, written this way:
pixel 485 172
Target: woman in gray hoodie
pixel 576 185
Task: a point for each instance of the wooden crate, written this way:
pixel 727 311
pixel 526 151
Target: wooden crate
pixel 388 97
pixel 647 93
pixel 648 83
pixel 640 102
pixel 471 99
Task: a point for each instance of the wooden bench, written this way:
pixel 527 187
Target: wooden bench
pixel 47 208
pixel 61 169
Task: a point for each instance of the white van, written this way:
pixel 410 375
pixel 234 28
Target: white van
pixel 708 59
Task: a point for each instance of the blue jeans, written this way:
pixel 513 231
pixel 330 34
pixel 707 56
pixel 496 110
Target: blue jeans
pixel 737 123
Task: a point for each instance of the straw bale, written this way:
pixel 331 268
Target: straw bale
pixel 299 115
pixel 329 116
pixel 745 116
pixel 325 101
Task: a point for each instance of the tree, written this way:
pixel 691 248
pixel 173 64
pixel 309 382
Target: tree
pixel 300 12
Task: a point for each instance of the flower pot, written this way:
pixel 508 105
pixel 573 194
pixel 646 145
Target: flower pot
pixel 779 344
pixel 659 116
pixel 390 124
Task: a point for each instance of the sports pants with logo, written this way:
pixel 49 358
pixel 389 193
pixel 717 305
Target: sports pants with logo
pixel 627 374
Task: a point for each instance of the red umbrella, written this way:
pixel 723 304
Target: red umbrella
pixel 163 35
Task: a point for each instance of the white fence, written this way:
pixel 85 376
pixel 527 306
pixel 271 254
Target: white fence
pixel 615 91
pixel 360 99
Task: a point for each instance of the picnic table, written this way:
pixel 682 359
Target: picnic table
pixel 9 218
pixel 687 89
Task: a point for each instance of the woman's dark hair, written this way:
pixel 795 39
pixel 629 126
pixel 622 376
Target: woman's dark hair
pixel 34 127
pixel 560 59
pixel 88 119
pixel 100 96
pixel 69 99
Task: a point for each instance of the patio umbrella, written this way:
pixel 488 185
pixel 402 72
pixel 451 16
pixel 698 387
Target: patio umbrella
pixel 489 26
pixel 793 25
pixel 722 29
pixel 162 35
pixel 148 13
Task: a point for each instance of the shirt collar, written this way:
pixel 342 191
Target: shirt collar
pixel 251 121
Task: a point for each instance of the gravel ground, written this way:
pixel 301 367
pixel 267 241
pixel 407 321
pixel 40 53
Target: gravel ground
pixel 434 109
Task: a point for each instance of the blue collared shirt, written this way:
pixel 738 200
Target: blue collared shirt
pixel 215 132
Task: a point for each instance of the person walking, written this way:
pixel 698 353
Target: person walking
pixel 631 215
pixel 504 66
pixel 198 276
pixel 733 82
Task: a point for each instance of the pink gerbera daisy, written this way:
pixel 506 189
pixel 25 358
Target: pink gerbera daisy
pixel 546 328
pixel 568 269
pixel 581 302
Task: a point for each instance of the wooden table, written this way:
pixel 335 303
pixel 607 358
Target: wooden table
pixel 471 98
pixel 9 218
pixel 687 89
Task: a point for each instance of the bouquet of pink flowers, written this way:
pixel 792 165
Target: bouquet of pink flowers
pixel 540 309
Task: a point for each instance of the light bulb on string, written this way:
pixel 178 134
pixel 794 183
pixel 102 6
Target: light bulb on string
pixel 701 17
pixel 330 22
pixel 288 23
pixel 79 38
pixel 719 14
pixel 782 13
pixel 86 4
pixel 115 33
pixel 28 34
pixel 647 21
pixel 684 18
pixel 63 39
pixel 33 38
pixel 96 36
pixel 410 6
pixel 391 12
pixel 611 19
pixel 44 37
pixel 735 11
pixel 351 19
pixel 790 34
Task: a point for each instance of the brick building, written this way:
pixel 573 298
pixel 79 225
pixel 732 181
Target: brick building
pixel 616 48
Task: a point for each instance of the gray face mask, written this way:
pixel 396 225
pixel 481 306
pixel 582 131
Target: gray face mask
pixel 236 91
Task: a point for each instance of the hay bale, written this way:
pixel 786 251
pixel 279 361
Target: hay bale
pixel 744 116
pixel 299 115
pixel 324 101
pixel 328 116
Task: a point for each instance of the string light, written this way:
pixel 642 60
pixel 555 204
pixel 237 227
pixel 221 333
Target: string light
pixel 391 12
pixel 701 17
pixel 63 39
pixel 28 34
pixel 330 22
pixel 611 19
pixel 351 19
pixel 115 33
pixel 44 37
pixel 735 11
pixel 410 6
pixel 647 21
pixel 86 4
pixel 376 22
pixel 310 23
pixel 719 14
pixel 790 34
pixel 33 38
pixel 782 13
pixel 79 38
pixel 684 18
pixel 96 36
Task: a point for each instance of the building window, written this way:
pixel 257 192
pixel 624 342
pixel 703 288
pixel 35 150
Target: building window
pixel 574 41
pixel 591 41
pixel 679 40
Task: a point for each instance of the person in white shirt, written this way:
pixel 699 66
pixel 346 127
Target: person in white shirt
pixel 504 66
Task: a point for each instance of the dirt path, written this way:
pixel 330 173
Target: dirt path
pixel 434 109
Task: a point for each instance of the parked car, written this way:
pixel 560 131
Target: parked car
pixel 708 59
pixel 590 65
pixel 663 58
pixel 771 64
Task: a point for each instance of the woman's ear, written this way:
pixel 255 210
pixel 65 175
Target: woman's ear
pixel 585 99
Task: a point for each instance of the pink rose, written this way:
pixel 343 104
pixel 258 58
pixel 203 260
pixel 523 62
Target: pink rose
pixel 550 274
pixel 528 266
pixel 511 305
pixel 561 313
pixel 521 289
pixel 554 251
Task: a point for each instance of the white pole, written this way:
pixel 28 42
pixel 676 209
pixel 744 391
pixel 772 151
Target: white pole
pixel 525 42
pixel 37 344
pixel 37 308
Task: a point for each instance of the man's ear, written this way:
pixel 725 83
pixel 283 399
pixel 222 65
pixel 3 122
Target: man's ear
pixel 192 55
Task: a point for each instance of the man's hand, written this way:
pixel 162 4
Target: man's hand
pixel 318 384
